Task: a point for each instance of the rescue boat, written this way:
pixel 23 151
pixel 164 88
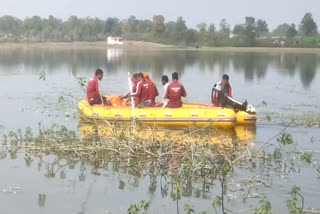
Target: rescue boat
pixel 198 115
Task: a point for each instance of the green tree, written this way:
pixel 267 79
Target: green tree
pixel 47 32
pixel 261 28
pixel 308 27
pixel 238 29
pixel 180 28
pixel 52 28
pixel 73 28
pixel 191 36
pixel 212 28
pixel 113 27
pixel 281 30
pixel 33 26
pixel 170 30
pixel 224 27
pixel 132 22
pixel 291 32
pixel 158 24
pixel 202 27
pixel 144 26
pixel 250 30
pixel 10 24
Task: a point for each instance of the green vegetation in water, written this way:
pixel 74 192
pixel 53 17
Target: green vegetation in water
pixel 142 207
pixel 179 164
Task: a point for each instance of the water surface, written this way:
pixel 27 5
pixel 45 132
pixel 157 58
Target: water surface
pixel 288 82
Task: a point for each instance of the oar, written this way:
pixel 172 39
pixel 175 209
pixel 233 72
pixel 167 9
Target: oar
pixel 132 100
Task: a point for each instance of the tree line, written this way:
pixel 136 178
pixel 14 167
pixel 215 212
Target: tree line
pixel 252 32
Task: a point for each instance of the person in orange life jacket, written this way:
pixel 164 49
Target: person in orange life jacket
pixel 142 96
pixel 165 83
pixel 93 91
pixel 153 91
pixel 174 92
pixel 221 91
pixel 134 81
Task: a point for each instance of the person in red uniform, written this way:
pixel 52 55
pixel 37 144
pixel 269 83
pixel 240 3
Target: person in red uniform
pixel 142 95
pixel 134 81
pixel 153 91
pixel 93 91
pixel 221 91
pixel 174 92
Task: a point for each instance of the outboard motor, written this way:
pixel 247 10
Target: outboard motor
pixel 233 103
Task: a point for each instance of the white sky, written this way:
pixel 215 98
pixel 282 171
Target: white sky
pixel 211 11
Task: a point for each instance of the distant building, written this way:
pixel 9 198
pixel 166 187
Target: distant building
pixel 115 40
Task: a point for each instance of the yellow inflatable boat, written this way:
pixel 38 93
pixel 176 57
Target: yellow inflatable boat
pixel 189 115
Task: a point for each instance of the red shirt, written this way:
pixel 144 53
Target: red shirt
pixel 142 92
pixel 134 86
pixel 215 95
pixel 153 91
pixel 93 91
pixel 174 93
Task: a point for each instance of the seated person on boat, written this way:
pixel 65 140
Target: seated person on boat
pixel 142 95
pixel 153 91
pixel 134 80
pixel 165 83
pixel 174 92
pixel 221 95
pixel 93 91
pixel 225 90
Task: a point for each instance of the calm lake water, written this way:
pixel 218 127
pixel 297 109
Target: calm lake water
pixel 288 82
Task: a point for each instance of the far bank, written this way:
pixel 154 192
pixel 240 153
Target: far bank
pixel 145 45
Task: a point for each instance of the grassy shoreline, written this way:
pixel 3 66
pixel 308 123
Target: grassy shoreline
pixel 148 45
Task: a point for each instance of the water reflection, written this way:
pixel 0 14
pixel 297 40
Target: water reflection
pixel 308 67
pixel 41 200
pixel 224 137
pixel 252 65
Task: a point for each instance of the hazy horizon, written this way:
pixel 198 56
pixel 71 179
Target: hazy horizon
pixel 209 11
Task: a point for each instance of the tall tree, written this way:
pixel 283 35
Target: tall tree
pixel 10 24
pixel 308 27
pixel 250 30
pixel 281 30
pixel 291 32
pixel 132 22
pixel 261 28
pixel 170 30
pixel 238 29
pixel 158 24
pixel 202 27
pixel 224 27
pixel 144 26
pixel 33 26
pixel 191 36
pixel 113 26
pixel 180 28
pixel 212 28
